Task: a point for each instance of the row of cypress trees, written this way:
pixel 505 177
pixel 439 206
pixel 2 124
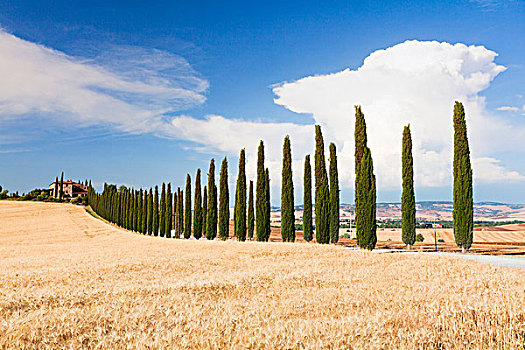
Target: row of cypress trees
pixel 141 211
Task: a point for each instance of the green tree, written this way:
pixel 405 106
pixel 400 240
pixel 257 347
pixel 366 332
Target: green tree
pixel 287 198
pixel 61 193
pixel 150 212
pixel 204 209
pixel 322 196
pixel 334 196
pixel 251 213
pixel 224 202
pixel 463 198
pixel 365 187
pixel 239 215
pixel 268 206
pixel 197 207
pixel 211 220
pixel 187 211
pixel 156 212
pixel 408 199
pixel 169 212
pixel 260 195
pixel 162 213
pixel 181 213
pixel 174 216
pixel 307 206
pixel 56 189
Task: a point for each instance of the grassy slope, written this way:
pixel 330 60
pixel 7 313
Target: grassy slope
pixel 70 280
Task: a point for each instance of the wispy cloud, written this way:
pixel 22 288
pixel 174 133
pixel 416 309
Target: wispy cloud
pixel 129 89
pixel 508 108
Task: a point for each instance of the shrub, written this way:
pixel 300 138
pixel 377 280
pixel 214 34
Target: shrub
pixel 419 237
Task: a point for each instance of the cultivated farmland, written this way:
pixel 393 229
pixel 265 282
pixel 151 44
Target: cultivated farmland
pixel 69 280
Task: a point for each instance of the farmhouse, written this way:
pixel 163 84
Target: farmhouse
pixel 70 189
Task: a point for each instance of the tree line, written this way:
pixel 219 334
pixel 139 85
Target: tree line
pixel 171 214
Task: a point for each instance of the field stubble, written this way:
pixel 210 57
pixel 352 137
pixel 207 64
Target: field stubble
pixel 69 280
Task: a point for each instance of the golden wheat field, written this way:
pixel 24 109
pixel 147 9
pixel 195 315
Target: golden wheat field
pixel 69 280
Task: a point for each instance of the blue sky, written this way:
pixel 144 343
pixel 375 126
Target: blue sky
pixel 139 93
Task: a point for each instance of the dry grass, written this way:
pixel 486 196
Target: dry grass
pixel 67 280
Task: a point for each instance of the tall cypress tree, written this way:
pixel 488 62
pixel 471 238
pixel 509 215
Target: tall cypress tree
pixel 204 209
pixel 307 206
pixel 260 195
pixel 365 187
pixel 162 211
pixel 239 215
pixel 169 212
pixel 145 212
pixel 224 202
pixel 334 196
pixel 268 206
pixel 463 197
pixel 197 207
pixel 181 213
pixel 187 207
pixel 139 211
pixel 150 212
pixel 61 194
pixel 251 213
pixel 174 216
pixel 322 196
pixel 156 212
pixel 56 189
pixel 408 199
pixel 287 198
pixel 211 220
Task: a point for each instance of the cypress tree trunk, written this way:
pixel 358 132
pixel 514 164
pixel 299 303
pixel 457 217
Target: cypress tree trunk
pixel 204 209
pixel 260 195
pixel 197 207
pixel 408 199
pixel 162 212
pixel 322 196
pixel 150 212
pixel 463 213
pixel 365 187
pixel 239 216
pixel 251 213
pixel 187 211
pixel 156 212
pixel 268 207
pixel 224 202
pixel 307 206
pixel 211 220
pixel 334 196
pixel 287 199
pixel 168 213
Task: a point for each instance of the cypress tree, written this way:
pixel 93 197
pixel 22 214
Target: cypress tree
pixel 56 189
pixel 61 194
pixel 408 199
pixel 463 198
pixel 156 212
pixel 260 195
pixel 251 214
pixel 322 204
pixel 204 209
pixel 181 212
pixel 187 207
pixel 268 207
pixel 307 206
pixel 162 211
pixel 197 210
pixel 136 213
pixel 143 212
pixel 287 198
pixel 211 220
pixel 150 212
pixel 365 187
pixel 174 216
pixel 239 216
pixel 224 202
pixel 169 212
pixel 334 196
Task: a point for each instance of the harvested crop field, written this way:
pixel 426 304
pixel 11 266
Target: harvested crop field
pixel 69 280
